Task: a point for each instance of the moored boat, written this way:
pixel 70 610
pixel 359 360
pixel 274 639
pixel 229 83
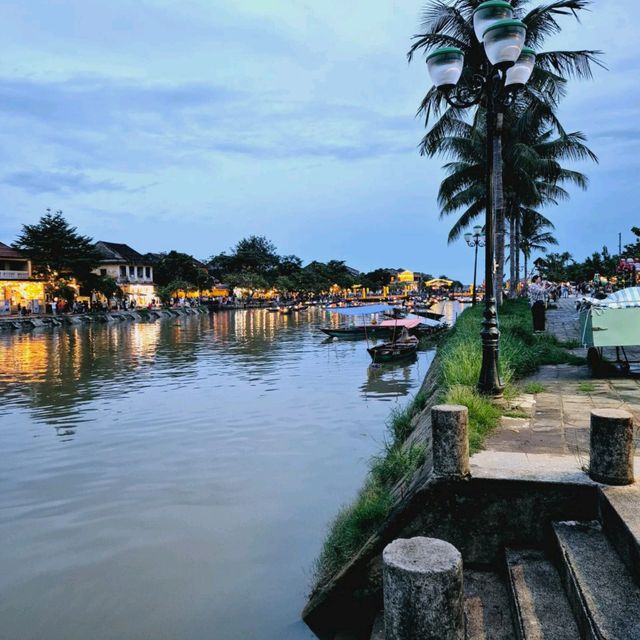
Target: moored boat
pixel 394 351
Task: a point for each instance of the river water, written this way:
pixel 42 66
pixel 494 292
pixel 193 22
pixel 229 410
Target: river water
pixel 175 480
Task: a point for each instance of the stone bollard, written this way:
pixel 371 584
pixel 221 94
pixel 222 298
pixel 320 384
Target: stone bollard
pixel 423 596
pixel 450 428
pixel 612 447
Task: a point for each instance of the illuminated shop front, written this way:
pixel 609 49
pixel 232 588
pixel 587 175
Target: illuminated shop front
pixel 143 294
pixel 28 294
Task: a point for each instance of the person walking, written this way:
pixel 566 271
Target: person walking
pixel 538 302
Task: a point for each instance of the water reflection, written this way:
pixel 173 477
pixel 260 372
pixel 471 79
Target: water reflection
pixel 164 477
pixel 389 381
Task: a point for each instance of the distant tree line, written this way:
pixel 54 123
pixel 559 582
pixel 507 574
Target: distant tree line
pixel 562 267
pixel 63 257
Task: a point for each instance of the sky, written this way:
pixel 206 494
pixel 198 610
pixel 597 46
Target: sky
pixel 189 125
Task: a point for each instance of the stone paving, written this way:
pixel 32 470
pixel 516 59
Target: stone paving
pixel 559 422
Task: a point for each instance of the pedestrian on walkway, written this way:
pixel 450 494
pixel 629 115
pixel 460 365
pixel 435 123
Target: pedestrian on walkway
pixel 538 301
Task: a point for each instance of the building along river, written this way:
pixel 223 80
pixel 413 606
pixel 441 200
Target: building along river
pixel 174 480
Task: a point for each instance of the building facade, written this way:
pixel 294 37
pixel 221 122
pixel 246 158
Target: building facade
pixel 131 270
pixel 18 289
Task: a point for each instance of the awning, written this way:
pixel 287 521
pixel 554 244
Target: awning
pixel 361 311
pixel 402 322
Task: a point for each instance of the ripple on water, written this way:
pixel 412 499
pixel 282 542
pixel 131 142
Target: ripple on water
pixel 175 472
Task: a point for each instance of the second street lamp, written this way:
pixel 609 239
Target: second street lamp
pixel 507 68
pixel 475 240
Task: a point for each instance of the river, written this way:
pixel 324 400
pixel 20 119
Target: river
pixel 175 480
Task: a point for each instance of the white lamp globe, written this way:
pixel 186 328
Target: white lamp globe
pixel 519 74
pixel 489 12
pixel 468 238
pixel 477 230
pixel 504 41
pixel 445 66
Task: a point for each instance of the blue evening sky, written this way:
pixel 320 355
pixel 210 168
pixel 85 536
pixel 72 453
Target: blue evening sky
pixel 188 125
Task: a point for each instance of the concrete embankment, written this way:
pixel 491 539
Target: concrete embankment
pixel 27 323
pixel 528 522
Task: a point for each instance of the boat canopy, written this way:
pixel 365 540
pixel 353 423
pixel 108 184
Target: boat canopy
pixel 402 322
pixel 362 311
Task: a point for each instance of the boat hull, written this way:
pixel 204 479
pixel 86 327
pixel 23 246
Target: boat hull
pixel 393 352
pixel 358 333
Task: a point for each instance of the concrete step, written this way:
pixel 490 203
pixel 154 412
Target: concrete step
pixel 620 517
pixel 541 610
pixel 377 633
pixel 603 595
pixel 486 606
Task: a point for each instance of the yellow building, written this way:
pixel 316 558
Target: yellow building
pixel 17 286
pixel 405 282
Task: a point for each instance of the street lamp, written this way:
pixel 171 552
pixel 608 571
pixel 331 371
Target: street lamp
pixel 475 240
pixel 507 68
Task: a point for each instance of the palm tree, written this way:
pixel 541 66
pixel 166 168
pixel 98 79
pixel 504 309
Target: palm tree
pixel 452 25
pixel 534 235
pixel 532 175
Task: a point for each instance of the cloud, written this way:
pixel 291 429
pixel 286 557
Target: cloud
pixel 110 123
pixel 37 182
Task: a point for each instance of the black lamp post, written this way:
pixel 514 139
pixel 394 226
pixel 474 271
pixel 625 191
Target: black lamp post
pixel 507 68
pixel 475 240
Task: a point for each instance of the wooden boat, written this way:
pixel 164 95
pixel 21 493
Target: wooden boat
pixel 358 332
pixel 432 315
pixel 394 351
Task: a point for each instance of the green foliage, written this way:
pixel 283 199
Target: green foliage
pixel 521 353
pixel 166 293
pixel 376 279
pixel 351 528
pixel 255 264
pixel 534 387
pixel 180 266
pixel 484 415
pixel 105 285
pixel 586 387
pixel 56 250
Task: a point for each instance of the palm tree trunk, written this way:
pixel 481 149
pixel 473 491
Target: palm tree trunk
pixel 513 277
pixel 524 253
pixel 517 243
pixel 499 208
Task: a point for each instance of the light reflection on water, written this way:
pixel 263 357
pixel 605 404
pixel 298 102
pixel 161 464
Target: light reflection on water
pixel 175 480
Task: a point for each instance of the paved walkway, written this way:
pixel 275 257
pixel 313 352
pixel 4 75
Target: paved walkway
pixel 559 422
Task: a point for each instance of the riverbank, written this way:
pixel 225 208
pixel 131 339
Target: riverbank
pixel 452 379
pixel 27 323
pixel 527 473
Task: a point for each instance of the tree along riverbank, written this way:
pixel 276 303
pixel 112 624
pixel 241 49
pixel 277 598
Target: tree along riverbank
pixel 406 456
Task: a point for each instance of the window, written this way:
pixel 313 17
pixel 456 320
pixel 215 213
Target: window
pixel 132 272
pixel 123 271
pixel 148 272
pixel 103 272
pixel 140 272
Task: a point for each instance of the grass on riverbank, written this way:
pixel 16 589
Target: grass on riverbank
pixel 458 359
pixel 359 520
pixel 521 353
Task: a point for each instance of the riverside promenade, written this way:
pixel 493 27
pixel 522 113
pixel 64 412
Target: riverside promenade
pixel 559 413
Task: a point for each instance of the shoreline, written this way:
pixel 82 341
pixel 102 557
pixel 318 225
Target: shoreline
pixel 28 323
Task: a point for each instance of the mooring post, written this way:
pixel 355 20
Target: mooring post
pixel 450 428
pixel 612 447
pixel 423 594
